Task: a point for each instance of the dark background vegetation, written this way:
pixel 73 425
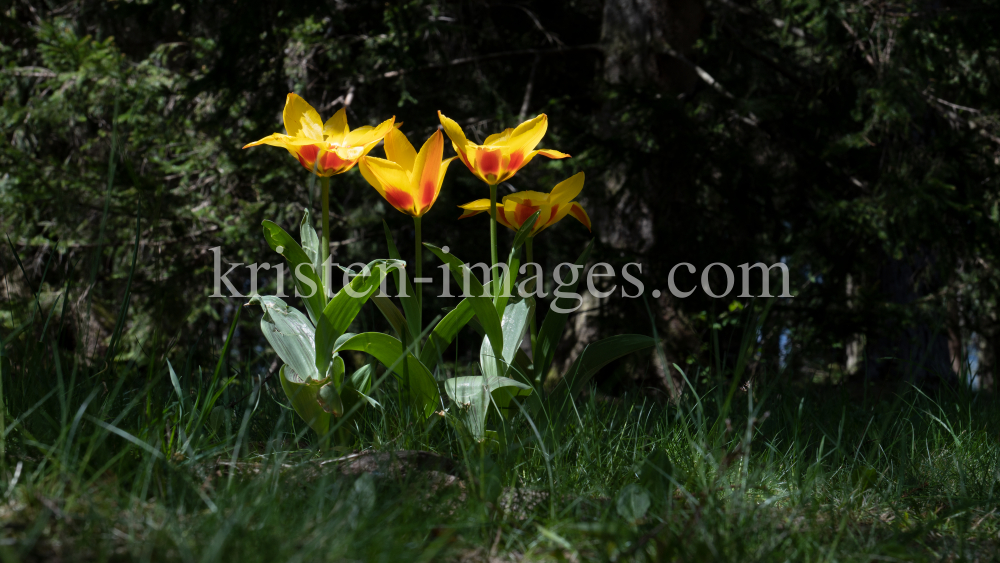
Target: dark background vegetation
pixel 859 143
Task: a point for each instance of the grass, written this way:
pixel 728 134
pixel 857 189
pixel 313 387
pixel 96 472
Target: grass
pixel 130 463
pixel 113 461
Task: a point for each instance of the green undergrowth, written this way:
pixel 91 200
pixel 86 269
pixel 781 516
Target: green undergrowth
pixel 181 463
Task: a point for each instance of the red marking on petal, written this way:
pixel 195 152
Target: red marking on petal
pixel 524 210
pixel 427 194
pixel 398 199
pixel 552 217
pixel 330 161
pixel 309 152
pixel 307 155
pixel 516 160
pixel 488 162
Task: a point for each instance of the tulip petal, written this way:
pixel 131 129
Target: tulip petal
pixel 401 200
pixel 458 140
pixel 336 127
pixel 367 134
pixel 388 173
pixel 508 215
pixel 399 150
pixel 426 169
pixel 370 176
pixel 301 120
pixel 274 140
pixel 487 161
pixel 549 153
pixel 567 190
pixel 527 135
pixel 475 207
pixel 498 138
pixel 576 210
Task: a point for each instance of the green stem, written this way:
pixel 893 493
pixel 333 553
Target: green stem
pixel 493 238
pixel 324 241
pixel 418 269
pixel 529 258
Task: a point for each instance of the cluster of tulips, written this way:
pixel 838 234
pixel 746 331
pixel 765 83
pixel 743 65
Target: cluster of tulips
pixel 313 375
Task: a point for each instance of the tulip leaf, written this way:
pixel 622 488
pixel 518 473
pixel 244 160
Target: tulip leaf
pixel 514 324
pixel 481 303
pixel 444 332
pixel 525 231
pixel 304 398
pixel 291 335
pixel 411 306
pixel 392 314
pixel 303 272
pixel 597 355
pixel 361 379
pixel 422 389
pixel 513 264
pixel 471 397
pixel 357 386
pixel 329 399
pixel 552 327
pixel 310 242
pixel 507 282
pixel 340 312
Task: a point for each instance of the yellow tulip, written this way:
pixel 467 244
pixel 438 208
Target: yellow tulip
pixel 327 149
pixel 517 207
pixel 409 180
pixel 503 154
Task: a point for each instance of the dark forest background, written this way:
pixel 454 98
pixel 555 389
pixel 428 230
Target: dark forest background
pixel 857 142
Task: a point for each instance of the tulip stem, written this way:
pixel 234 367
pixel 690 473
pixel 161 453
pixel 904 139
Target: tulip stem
pixel 493 239
pixel 418 269
pixel 324 242
pixel 530 258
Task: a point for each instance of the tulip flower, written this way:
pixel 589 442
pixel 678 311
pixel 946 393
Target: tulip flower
pixel 503 154
pixel 326 149
pixel 517 207
pixel 409 180
pixel 498 159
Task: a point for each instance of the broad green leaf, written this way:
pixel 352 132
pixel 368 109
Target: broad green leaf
pixel 599 354
pixel 337 371
pixel 470 399
pixel 303 272
pixel 633 502
pixel 391 314
pixel 514 324
pixel 310 242
pixel 504 392
pixel 444 332
pixel 479 301
pixel 290 334
pixel 471 395
pixel 422 388
pixel 304 398
pixel 361 379
pixel 345 306
pixel 329 399
pixel 356 388
pixel 507 282
pixel 552 327
pixel 411 306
